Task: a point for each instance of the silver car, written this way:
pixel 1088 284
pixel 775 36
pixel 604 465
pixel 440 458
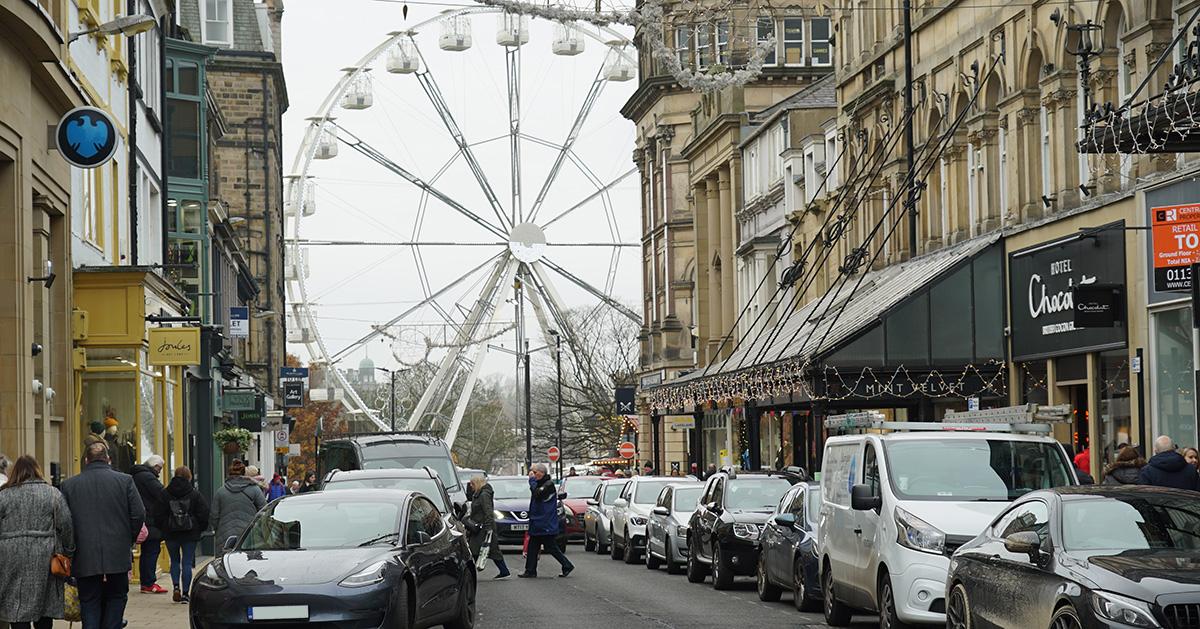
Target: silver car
pixel 631 512
pixel 666 533
pixel 597 520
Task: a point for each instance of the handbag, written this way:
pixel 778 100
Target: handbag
pixel 484 549
pixel 71 611
pixel 60 564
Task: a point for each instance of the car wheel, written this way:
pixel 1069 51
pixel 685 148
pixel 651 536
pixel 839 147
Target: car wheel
pixel 589 543
pixel 958 610
pixel 837 614
pixel 721 572
pixel 614 550
pixel 631 553
pixel 402 609
pixel 888 619
pixel 673 566
pixel 466 607
pixel 767 591
pixel 695 571
pixel 1065 618
pixel 652 562
pixel 801 597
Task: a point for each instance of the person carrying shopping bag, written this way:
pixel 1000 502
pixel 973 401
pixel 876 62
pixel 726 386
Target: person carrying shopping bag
pixel 37 540
pixel 481 524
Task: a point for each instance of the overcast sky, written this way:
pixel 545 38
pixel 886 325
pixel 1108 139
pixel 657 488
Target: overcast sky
pixel 359 200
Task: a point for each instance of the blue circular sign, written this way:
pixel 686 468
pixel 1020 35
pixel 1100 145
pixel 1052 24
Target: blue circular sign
pixel 86 137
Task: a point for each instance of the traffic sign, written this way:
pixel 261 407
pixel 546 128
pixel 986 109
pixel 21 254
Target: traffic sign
pixel 627 450
pixel 239 322
pixel 281 437
pixel 553 453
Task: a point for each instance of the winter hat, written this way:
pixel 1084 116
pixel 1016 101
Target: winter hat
pixel 96 428
pixel 110 422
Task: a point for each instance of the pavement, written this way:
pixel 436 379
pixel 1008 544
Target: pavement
pixel 602 593
pixel 151 611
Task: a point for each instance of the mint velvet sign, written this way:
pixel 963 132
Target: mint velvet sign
pixel 1043 280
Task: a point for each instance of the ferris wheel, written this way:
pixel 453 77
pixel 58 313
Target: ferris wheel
pixel 468 180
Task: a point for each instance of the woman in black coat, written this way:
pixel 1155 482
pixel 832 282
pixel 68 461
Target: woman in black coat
pixel 186 519
pixel 482 520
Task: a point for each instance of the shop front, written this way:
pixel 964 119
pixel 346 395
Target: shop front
pixel 1060 353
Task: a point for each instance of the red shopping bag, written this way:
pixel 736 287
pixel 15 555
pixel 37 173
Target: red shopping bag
pixel 525 546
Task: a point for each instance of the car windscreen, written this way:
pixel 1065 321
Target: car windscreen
pixel 510 488
pixel 755 493
pixel 580 486
pixel 386 456
pixel 612 491
pixel 330 522
pixel 1144 522
pixel 812 504
pixel 427 486
pixel 646 493
pixel 687 498
pixel 974 469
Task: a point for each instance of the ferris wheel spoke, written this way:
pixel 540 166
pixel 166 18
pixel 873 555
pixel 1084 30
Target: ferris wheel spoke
pixel 434 93
pixel 591 197
pixel 512 56
pixel 558 311
pixel 375 333
pixel 596 292
pixel 585 109
pixel 378 157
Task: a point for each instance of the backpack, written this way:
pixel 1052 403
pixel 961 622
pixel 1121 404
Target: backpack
pixel 180 520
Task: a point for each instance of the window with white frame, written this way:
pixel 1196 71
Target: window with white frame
pixel 723 43
pixel 811 181
pixel 766 31
pixel 793 41
pixel 683 45
pixel 944 195
pixel 831 160
pixel 822 52
pixel 1047 171
pixel 216 22
pixel 704 51
pixel 974 177
pixel 1002 172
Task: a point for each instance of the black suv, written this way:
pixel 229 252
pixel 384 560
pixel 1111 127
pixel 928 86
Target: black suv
pixel 383 451
pixel 724 531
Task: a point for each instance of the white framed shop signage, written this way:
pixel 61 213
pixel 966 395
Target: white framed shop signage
pixel 1042 280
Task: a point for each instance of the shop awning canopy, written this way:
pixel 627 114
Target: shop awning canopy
pixel 945 308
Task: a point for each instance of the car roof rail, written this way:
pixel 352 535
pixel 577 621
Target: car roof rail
pixel 432 472
pixel 1021 419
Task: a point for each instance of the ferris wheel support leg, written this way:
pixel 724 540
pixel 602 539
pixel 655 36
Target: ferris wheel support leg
pixel 469 386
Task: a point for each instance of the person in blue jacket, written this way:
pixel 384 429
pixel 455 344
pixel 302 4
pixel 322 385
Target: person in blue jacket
pixel 544 525
pixel 1168 468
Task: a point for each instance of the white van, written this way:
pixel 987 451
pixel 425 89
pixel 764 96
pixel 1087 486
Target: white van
pixel 895 506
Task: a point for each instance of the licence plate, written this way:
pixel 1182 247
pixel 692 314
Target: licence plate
pixel 278 612
pixel 519 527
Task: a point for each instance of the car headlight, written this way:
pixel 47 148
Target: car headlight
pixel 369 575
pixel 747 531
pixel 637 520
pixel 681 530
pixel 211 579
pixel 497 515
pixel 1123 609
pixel 917 534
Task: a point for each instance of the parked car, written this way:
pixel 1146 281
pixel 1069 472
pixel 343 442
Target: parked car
pixel 358 557
pixel 787 558
pixel 631 512
pixel 424 480
pixel 511 501
pixel 895 506
pixel 597 520
pixel 378 451
pixel 1082 557
pixel 573 494
pixel 666 532
pixel 724 531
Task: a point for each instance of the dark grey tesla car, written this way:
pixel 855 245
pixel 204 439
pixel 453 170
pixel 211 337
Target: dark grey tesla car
pixel 1084 556
pixel 358 558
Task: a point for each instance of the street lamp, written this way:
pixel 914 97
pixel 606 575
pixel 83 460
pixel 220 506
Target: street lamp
pixel 392 377
pixel 124 25
pixel 558 422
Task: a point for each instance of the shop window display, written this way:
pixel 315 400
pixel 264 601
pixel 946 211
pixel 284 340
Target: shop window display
pixel 1116 420
pixel 1173 385
pixel 109 398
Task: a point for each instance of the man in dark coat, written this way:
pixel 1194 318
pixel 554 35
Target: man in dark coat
pixel 107 514
pixel 155 499
pixel 1168 468
pixel 544 523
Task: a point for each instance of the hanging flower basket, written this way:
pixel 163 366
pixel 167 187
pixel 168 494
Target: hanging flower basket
pixel 233 440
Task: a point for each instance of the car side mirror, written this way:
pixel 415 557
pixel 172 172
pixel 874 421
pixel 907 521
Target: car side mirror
pixel 562 495
pixel 713 506
pixel 1024 543
pixel 592 502
pixel 663 511
pixel 230 543
pixel 862 499
pixel 786 520
pixel 620 502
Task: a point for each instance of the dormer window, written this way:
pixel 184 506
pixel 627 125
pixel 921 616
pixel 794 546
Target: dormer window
pixel 216 20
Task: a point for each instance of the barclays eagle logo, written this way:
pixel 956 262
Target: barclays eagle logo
pixel 86 137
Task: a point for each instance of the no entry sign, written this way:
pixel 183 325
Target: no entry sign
pixel 626 450
pixel 553 453
pixel 1176 242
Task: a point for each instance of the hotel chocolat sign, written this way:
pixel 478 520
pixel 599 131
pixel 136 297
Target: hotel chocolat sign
pixel 1043 283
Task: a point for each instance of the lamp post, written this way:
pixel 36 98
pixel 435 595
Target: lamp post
pixel 392 380
pixel 558 422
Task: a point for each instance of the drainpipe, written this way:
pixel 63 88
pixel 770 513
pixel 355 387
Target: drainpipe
pixel 135 93
pixel 268 217
pixel 164 32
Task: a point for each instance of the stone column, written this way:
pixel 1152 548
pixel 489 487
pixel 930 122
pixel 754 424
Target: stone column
pixel 700 247
pixel 1029 154
pixel 716 323
pixel 956 190
pixel 728 297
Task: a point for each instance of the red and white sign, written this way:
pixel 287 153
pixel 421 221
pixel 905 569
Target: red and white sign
pixel 553 453
pixel 1176 243
pixel 626 450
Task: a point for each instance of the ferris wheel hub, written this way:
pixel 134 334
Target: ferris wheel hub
pixel 527 242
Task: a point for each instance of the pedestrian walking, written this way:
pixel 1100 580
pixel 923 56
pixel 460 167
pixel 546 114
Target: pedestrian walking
pixel 481 522
pixel 1168 468
pixel 544 524
pixel 35 525
pixel 234 505
pixel 154 499
pixel 309 484
pixel 107 514
pixel 186 521
pixel 253 473
pixel 3 470
pixel 276 489
pixel 1125 470
pixel 295 488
